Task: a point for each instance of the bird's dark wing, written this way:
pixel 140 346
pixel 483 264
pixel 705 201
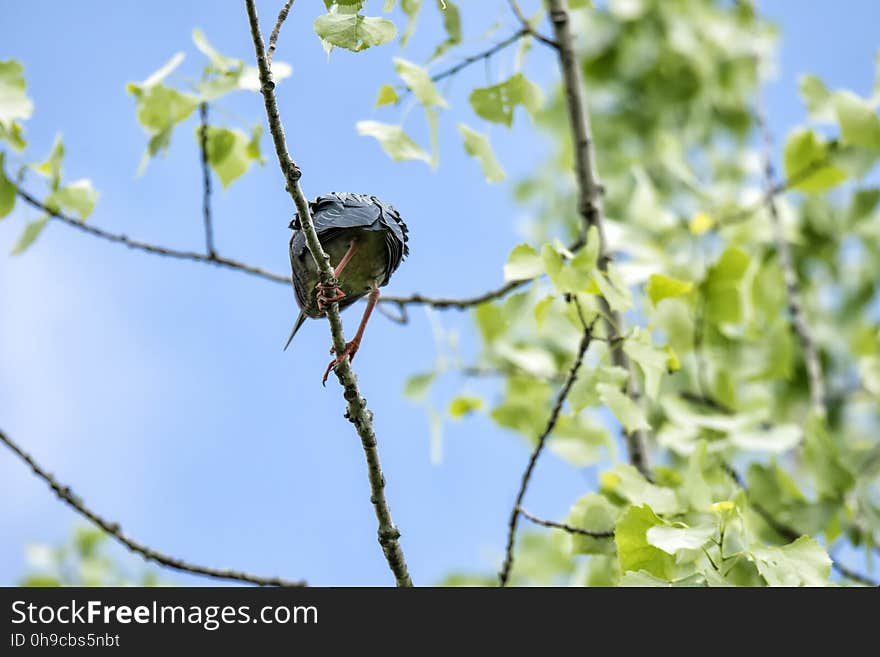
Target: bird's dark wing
pixel 341 210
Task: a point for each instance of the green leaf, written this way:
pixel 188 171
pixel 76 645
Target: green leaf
pixel 807 160
pixel 452 25
pixel 652 360
pixel 163 72
pixel 817 98
pixel 674 539
pixel 7 189
pixel 802 563
pixel 722 286
pixel 230 152
pixel 628 483
pixel 51 167
pixel 497 102
pixel 464 405
pixel 661 287
pixel 14 103
pixel 491 321
pixel 634 552
pixel 695 489
pixel 572 276
pixel 79 197
pixel 394 141
pixel 776 439
pixel 477 145
pixel 859 123
pixel 523 263
pixel 13 135
pixel 417 385
pixel 613 289
pixel 29 235
pixel 387 96
pixel 411 9
pixel 353 31
pixel 583 392
pixel 832 478
pixel 221 62
pixel 630 414
pixel 594 513
pixel 419 82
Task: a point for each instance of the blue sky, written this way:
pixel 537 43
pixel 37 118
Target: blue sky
pixel 157 389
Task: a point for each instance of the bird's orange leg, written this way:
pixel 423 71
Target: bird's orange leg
pixel 352 346
pixel 324 299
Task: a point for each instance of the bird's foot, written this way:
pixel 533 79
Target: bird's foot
pixel 350 350
pixel 327 296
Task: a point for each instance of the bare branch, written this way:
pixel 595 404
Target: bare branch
pixel 273 38
pixel 463 303
pixel 792 286
pixel 564 527
pixel 527 26
pixel 357 412
pixel 113 529
pixel 150 248
pixel 206 180
pixel 506 567
pixel 472 59
pixel 590 202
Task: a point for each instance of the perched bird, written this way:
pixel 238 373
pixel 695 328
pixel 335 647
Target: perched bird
pixel 366 240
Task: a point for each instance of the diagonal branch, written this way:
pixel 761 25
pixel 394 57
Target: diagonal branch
pixel 206 180
pixel 506 567
pixel 357 412
pixel 472 59
pixel 571 529
pixel 590 202
pixel 150 248
pixel 792 286
pixel 273 37
pixel 527 25
pixel 66 495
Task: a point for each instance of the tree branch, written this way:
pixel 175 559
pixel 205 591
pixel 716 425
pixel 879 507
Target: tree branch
pixel 590 202
pixel 527 26
pixel 273 38
pixel 357 412
pixel 506 567
pixel 792 286
pixel 564 527
pixel 113 529
pixel 150 248
pixel 206 180
pixel 472 59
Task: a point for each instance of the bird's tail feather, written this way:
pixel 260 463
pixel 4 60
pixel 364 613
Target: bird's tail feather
pixel 299 322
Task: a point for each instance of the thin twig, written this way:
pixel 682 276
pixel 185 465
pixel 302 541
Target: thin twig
pixel 506 567
pixel 590 203
pixel 472 59
pixel 527 26
pixel 273 37
pixel 113 529
pixel 792 286
pixel 775 190
pixel 566 528
pixel 357 412
pixel 462 303
pixel 206 180
pixel 150 248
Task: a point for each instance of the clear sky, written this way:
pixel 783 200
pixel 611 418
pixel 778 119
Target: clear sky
pixel 158 390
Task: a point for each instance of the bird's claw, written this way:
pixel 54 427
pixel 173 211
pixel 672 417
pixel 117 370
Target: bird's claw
pixel 324 299
pixel 350 350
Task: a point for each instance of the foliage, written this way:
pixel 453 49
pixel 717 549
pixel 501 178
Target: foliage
pixel 696 272
pixel 84 560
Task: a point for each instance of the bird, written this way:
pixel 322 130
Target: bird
pixel 366 240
